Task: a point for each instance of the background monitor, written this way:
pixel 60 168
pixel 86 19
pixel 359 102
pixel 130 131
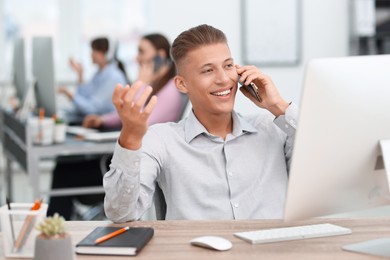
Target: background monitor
pixel 43 73
pixel 19 69
pixel 344 112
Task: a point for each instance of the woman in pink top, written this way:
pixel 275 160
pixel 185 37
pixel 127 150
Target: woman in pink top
pixel 157 70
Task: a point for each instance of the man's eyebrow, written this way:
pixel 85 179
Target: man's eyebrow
pixel 210 64
pixel 206 65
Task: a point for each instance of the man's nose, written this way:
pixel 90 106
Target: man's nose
pixel 222 76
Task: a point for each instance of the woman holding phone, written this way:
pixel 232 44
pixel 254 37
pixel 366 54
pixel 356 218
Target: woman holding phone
pixel 157 70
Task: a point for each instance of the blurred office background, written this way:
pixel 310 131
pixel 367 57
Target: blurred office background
pixel 322 29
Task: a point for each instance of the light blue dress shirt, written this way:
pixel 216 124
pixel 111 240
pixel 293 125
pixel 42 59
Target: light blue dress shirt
pixel 203 176
pixel 95 96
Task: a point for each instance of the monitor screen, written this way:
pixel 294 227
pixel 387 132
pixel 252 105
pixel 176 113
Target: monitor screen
pixel 344 113
pixel 19 69
pixel 43 73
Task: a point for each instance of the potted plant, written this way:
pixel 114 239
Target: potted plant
pixel 59 130
pixel 53 242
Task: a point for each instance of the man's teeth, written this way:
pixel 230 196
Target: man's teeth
pixel 222 93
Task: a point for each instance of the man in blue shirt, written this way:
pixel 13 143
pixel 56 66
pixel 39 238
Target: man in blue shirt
pixel 94 97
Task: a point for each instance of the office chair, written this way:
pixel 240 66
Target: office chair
pixel 95 211
pixel 92 211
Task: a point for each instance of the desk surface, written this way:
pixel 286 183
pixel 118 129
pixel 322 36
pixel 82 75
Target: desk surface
pixel 73 146
pixel 171 239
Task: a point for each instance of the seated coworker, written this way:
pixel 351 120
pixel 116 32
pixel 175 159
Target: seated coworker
pixel 216 163
pixel 87 171
pixel 157 70
pixel 94 97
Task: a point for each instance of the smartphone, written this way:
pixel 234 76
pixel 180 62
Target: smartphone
pixel 254 90
pixel 158 62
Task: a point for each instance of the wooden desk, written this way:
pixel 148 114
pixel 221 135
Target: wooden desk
pixel 171 239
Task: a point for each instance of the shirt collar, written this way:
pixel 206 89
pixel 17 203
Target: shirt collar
pixel 193 127
pixel 109 67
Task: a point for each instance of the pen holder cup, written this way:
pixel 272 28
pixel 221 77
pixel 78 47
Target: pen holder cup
pixel 18 229
pixel 42 130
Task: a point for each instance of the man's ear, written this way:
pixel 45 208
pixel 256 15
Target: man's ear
pixel 180 84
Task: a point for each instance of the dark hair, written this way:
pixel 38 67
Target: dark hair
pixel 160 42
pixel 195 38
pixel 103 45
pixel 100 44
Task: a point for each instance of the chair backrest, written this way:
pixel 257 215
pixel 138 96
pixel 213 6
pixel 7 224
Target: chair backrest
pixel 160 204
pixel 158 199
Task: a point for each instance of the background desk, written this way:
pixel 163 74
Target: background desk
pixel 18 146
pixel 171 239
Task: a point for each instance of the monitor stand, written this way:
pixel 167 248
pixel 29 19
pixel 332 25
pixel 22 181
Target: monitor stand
pixel 385 149
pixel 377 247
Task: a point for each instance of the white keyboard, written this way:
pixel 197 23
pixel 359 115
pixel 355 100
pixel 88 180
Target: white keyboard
pixel 292 233
pixel 102 136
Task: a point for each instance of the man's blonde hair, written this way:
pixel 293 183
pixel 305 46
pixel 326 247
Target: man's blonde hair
pixel 195 38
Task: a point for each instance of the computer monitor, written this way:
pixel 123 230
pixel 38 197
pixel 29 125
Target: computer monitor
pixel 344 113
pixel 43 73
pixel 19 69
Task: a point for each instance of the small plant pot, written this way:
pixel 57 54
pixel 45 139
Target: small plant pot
pixel 59 133
pixel 58 248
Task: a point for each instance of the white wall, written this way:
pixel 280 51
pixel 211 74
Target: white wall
pixel 2 59
pixel 325 33
pixel 68 43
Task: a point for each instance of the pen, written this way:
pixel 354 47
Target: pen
pixel 11 220
pixel 27 225
pixel 111 235
pixel 37 205
pixel 40 129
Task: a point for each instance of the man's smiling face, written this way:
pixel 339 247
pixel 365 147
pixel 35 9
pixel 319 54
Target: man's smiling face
pixel 210 79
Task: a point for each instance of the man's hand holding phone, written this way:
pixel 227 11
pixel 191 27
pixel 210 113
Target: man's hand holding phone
pixel 264 92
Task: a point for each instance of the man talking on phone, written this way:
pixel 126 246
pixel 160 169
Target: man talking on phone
pixel 214 164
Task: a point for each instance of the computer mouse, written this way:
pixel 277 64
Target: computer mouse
pixel 212 242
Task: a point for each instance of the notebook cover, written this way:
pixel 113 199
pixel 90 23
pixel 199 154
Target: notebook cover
pixel 127 243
